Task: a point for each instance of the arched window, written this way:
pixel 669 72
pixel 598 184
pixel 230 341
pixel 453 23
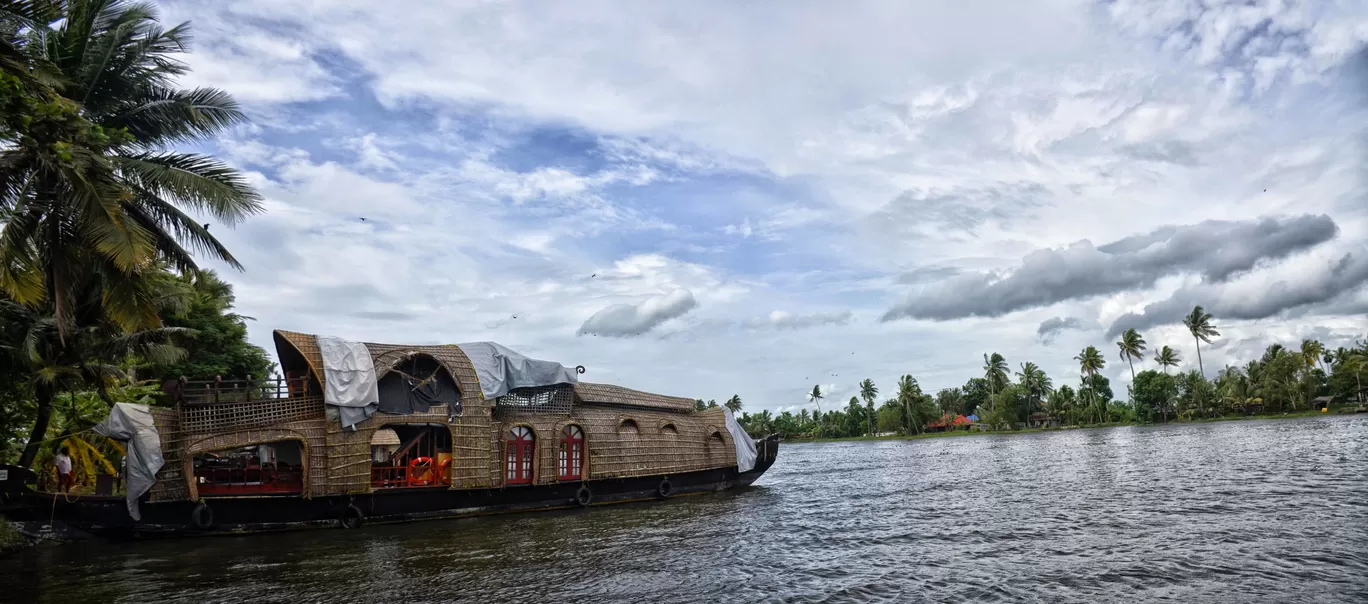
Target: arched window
pixel 669 430
pixel 521 444
pixel 571 453
pixel 715 442
pixel 628 426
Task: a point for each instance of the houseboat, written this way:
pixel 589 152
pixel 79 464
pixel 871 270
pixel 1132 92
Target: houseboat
pixel 355 433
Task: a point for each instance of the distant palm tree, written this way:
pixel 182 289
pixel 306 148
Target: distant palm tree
pixel 1132 347
pixel 909 389
pixel 868 392
pixel 816 397
pixel 1167 357
pixel 1090 361
pixel 1199 324
pixel 733 404
pixel 995 371
pixel 1313 351
pixel 1037 384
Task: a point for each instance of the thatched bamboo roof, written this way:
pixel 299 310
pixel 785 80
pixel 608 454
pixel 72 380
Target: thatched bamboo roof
pixel 386 356
pixel 617 395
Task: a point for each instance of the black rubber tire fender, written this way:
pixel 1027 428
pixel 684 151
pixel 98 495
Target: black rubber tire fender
pixel 352 517
pixel 584 496
pixel 664 489
pixel 202 517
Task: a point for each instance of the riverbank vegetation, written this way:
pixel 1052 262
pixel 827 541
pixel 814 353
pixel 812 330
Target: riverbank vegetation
pixel 102 215
pixel 1284 380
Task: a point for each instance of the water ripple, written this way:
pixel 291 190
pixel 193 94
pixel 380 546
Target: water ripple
pixel 1225 512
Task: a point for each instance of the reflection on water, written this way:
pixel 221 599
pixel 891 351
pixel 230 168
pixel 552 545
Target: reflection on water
pixel 1272 511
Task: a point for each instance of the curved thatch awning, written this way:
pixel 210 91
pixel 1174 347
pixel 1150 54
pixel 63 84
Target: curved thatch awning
pixel 294 349
pixel 385 436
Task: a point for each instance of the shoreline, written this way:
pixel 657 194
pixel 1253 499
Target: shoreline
pixel 963 433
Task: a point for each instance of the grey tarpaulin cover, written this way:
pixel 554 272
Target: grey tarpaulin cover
pixel 133 424
pixel 500 369
pixel 349 379
pixel 745 445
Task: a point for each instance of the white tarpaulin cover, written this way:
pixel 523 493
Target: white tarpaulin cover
pixel 349 379
pixel 133 424
pixel 500 369
pixel 745 445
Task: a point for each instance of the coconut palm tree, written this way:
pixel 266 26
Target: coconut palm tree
pixel 816 397
pixel 1199 325
pixel 1090 361
pixel 868 392
pixel 909 391
pixel 1132 347
pixel 1313 351
pixel 733 404
pixel 1166 357
pixel 87 355
pixel 93 190
pixel 1037 384
pixel 995 371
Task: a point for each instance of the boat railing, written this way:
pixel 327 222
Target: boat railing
pixel 243 480
pixel 220 405
pixel 219 391
pixel 407 477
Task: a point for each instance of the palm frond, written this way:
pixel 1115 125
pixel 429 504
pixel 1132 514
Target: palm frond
pixel 163 116
pixel 199 181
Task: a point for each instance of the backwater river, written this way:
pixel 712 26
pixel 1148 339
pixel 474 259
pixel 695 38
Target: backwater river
pixel 1256 511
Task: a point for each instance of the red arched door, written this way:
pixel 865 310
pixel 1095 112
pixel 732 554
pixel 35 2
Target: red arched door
pixel 571 453
pixel 521 445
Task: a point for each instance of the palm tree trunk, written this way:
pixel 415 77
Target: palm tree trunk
pixel 907 416
pixel 43 396
pixel 1199 356
pixel 1131 362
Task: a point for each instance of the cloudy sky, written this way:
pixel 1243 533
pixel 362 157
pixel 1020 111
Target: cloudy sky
pixel 708 198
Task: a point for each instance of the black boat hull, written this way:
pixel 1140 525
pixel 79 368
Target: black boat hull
pixel 108 516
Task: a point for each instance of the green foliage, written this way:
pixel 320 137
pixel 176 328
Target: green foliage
pixel 1156 395
pixel 95 201
pixel 216 338
pixel 733 404
pixel 977 393
pixel 995 372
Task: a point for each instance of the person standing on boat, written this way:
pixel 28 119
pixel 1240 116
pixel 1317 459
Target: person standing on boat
pixel 64 478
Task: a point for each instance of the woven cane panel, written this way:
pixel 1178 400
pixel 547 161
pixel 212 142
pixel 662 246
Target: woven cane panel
pixel 540 400
pixel 228 417
pixel 349 452
pixel 170 482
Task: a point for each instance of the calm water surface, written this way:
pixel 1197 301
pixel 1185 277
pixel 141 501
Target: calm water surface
pixel 1267 511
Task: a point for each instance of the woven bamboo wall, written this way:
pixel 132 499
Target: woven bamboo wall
pixel 171 484
pixel 349 451
pixel 615 454
pixel 231 417
pixel 310 433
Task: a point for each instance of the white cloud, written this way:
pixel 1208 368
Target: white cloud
pixel 629 320
pixel 786 320
pixel 796 157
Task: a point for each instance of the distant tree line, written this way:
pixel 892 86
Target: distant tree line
pixel 1282 380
